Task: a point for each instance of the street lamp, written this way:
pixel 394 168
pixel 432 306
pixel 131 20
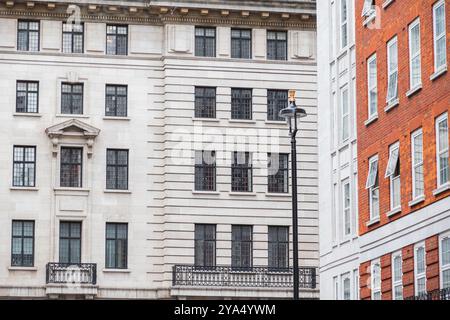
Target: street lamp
pixel 292 113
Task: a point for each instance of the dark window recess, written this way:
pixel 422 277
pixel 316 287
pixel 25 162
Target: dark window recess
pixel 117 40
pixel 73 38
pixel 205 42
pixel 70 242
pixel 27 96
pixel 205 245
pixel 278 173
pixel 116 169
pixel 241 172
pixel 241 104
pixel 205 170
pixel 24 166
pixel 241 247
pixel 72 98
pixel 205 102
pixel 241 43
pixel 116 100
pixel 71 167
pixel 22 243
pixel 278 247
pixel 28 35
pixel 276 101
pixel 116 246
pixel 276 45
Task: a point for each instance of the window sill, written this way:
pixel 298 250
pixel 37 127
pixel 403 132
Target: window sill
pixel 22 268
pixel 214 193
pixel 64 189
pixel 279 195
pixel 369 19
pixel 243 193
pixel 117 191
pixel 373 222
pixel 281 122
pixel 242 121
pixel 371 119
pixel 80 116
pixel 416 201
pixel 387 3
pixel 25 114
pixel 116 270
pixel 24 188
pixel 414 90
pixel 393 212
pixel 391 104
pixel 206 119
pixel 117 118
pixel 443 188
pixel 438 73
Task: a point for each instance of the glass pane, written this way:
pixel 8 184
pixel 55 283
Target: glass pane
pixel 17 228
pixel 17 245
pixel 445 251
pixel 28 228
pixel 75 247
pixel 28 246
pixel 110 231
pixel 75 230
pixel 64 250
pixel 122 231
pixel 446 279
pixel 110 253
pixel 420 260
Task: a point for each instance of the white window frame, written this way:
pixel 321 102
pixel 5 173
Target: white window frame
pixel 397 283
pixel 392 42
pixel 344 277
pixel 336 288
pixel 345 117
pixel 373 187
pixel 437 37
pixel 390 171
pixel 372 87
pixel 414 55
pixel 441 118
pixel 375 287
pixel 356 284
pixel 346 210
pixel 343 24
pixel 415 165
pixel 422 275
pixel 442 267
pixel 368 8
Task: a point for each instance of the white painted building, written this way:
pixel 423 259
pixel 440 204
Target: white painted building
pixel 339 249
pixel 101 125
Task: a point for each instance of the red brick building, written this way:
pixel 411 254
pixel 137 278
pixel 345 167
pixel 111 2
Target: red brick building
pixel 403 107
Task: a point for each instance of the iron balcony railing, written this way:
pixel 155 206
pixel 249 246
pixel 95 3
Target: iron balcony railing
pixel 227 276
pixel 71 273
pixel 442 294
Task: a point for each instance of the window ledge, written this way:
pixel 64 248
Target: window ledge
pixel 443 188
pixel 438 73
pixel 281 122
pixel 416 201
pixel 116 118
pixel 117 191
pixel 280 195
pixel 414 90
pixel 27 114
pixel 373 222
pixel 17 268
pixel 80 116
pixel 370 18
pixel 206 119
pixel 242 121
pixel 371 119
pixel 391 104
pixel 387 3
pixel 239 193
pixel 393 212
pixel 64 189
pixel 215 193
pixel 116 270
pixel 24 188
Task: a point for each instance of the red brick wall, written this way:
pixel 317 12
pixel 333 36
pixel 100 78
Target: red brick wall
pixel 364 281
pixel 421 109
pixel 386 277
pixel 408 271
pixel 432 261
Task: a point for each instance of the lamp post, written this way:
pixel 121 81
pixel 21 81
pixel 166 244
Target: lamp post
pixel 292 113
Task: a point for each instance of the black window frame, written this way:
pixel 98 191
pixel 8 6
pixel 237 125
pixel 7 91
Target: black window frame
pixel 277 100
pixel 23 162
pixel 240 40
pixel 27 92
pixel 241 104
pixel 205 102
pixel 28 32
pixel 237 241
pixel 282 172
pixel 202 170
pixel 22 237
pixel 71 99
pixel 273 255
pixel 201 241
pixel 71 163
pixel 116 166
pixel 115 97
pixel 277 42
pixel 239 172
pixel 116 240
pixel 73 34
pixel 71 237
pixel 201 41
pixel 116 36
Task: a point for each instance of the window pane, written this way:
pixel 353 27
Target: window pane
pixel 445 251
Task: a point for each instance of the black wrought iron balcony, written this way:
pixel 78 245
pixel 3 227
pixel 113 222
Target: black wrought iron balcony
pixel 78 273
pixel 442 294
pixel 226 276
